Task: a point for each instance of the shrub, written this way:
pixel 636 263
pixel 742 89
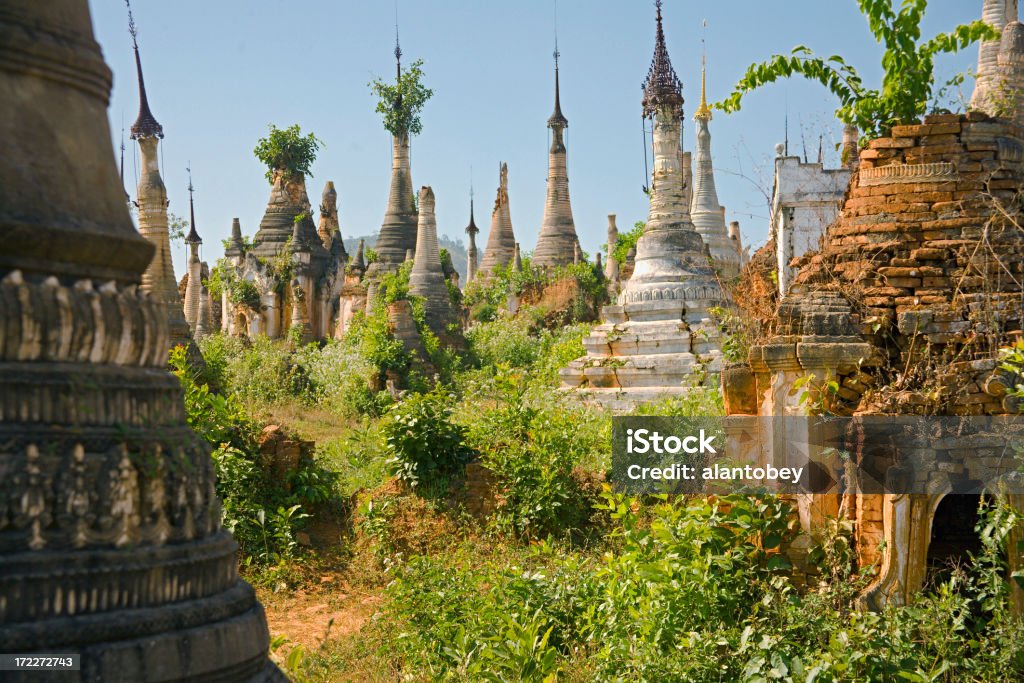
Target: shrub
pixel 287 151
pixel 423 444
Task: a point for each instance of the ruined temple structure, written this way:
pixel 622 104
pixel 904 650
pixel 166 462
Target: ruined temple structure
pixel 611 266
pixel 999 88
pixel 915 288
pixel 806 198
pixel 707 214
pixel 658 338
pixel 471 253
pixel 557 243
pixel 501 240
pixel 293 280
pixel 427 278
pixel 109 523
pixel 353 296
pixel 151 201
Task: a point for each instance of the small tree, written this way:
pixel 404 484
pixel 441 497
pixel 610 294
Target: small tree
pixel 287 151
pixel 401 103
pixel 176 227
pixel 908 64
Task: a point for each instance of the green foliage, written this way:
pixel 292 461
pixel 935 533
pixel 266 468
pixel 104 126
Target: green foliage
pixel 736 333
pixel 908 68
pixel 176 227
pixel 627 241
pixel 263 511
pixel 1011 361
pixel 245 293
pixel 532 443
pixel 401 103
pixel 423 443
pixel 222 276
pixel 288 151
pixel 694 590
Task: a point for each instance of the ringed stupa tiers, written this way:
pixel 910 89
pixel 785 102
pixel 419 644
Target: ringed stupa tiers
pixel 398 231
pixel 707 214
pixel 501 241
pixel 158 280
pixel 557 243
pixel 427 276
pixel 658 334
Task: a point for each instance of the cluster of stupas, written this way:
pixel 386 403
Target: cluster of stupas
pixel 296 279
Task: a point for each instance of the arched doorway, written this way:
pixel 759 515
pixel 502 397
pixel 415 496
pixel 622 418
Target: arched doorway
pixel 953 538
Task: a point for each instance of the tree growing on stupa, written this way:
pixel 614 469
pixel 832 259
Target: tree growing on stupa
pixel 287 150
pixel 400 103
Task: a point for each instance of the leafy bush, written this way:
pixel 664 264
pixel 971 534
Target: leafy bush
pixel 401 103
pixel 424 445
pixel 287 151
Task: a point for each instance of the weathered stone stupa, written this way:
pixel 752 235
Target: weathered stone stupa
pixel 109 525
pixel 501 240
pixel 427 277
pixel 471 252
pixel 658 334
pixel 158 280
pixel 557 243
pixel 708 215
pixel 193 290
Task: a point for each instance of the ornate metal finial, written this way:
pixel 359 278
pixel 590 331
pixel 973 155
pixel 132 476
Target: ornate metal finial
pixel 556 118
pixel 398 47
pixel 145 125
pixel 193 236
pixel 662 86
pixel 471 229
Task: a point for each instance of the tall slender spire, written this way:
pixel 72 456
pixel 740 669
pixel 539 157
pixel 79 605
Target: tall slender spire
pixel 557 240
pixel 662 85
pixel 193 236
pixel 146 124
pixel 472 231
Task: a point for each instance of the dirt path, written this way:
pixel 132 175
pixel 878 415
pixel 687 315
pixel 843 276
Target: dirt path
pixel 309 616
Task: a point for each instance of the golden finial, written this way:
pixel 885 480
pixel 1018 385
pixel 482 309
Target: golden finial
pixel 703 111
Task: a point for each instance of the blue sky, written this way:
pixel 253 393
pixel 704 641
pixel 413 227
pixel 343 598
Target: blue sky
pixel 218 72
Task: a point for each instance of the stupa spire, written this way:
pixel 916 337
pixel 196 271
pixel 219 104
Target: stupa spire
pixel 471 230
pixel 193 236
pixel 557 240
pixel 707 213
pixel 145 124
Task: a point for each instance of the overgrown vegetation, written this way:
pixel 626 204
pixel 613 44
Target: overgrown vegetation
pixel 288 152
pixel 400 103
pixel 908 65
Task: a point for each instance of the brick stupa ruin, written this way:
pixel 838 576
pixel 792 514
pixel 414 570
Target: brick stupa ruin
pixel 110 528
pixel 658 338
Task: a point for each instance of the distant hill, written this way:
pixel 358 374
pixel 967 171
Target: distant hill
pixel 455 247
